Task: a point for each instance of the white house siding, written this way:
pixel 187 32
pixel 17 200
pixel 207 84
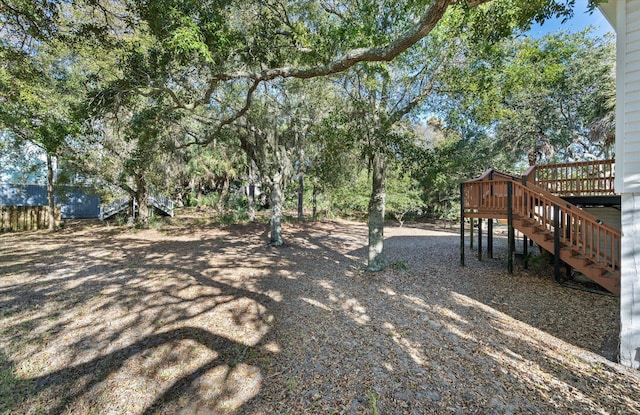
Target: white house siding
pixel 629 65
pixel 612 11
pixel 630 281
pixel 624 15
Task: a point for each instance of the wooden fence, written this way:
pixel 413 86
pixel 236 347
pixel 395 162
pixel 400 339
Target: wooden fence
pixel 26 218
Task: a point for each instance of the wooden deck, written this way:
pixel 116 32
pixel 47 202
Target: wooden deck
pixel 532 204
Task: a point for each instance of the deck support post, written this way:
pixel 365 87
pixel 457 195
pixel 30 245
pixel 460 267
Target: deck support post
pixel 471 222
pixel 479 239
pixel 462 225
pixel 556 243
pixel 490 238
pixel 525 251
pixel 510 233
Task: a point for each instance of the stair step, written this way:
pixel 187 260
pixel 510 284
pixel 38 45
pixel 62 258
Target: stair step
pixel 597 268
pixel 570 251
pixel 541 232
pixel 581 259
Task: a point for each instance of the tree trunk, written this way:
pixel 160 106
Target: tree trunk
pixel 277 193
pixel 315 202
pixel 252 192
pixel 141 199
pixel 199 195
pixel 300 196
pixel 532 157
pixel 300 181
pixel 50 194
pixel 376 260
pixel 222 201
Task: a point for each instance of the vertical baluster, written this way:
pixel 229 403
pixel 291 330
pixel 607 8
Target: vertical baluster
pixel 565 225
pixel 585 239
pixel 598 241
pixel 583 250
pixel 589 247
pixel 462 202
pixel 479 239
pixel 609 248
pixel 556 242
pixel 594 241
pixel 593 247
pixel 510 228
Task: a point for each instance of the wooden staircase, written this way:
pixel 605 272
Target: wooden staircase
pixel 156 200
pixel 576 237
pixel 585 264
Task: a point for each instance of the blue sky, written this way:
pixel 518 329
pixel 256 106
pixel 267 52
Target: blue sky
pixel 580 20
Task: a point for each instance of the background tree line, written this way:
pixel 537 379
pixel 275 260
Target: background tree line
pixel 363 108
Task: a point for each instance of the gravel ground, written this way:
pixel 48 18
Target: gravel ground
pixel 196 318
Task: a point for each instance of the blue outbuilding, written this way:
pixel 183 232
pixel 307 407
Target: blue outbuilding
pixel 75 202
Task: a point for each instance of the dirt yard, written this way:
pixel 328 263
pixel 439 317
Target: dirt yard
pixel 197 318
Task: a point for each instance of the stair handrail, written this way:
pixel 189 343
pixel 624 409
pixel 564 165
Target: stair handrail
pixel 161 201
pixel 499 187
pixel 573 220
pixel 114 207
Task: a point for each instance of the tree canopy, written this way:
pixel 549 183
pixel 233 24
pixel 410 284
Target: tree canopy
pixel 194 97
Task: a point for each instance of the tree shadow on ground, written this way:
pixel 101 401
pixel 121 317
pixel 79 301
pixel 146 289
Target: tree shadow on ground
pixel 214 320
pixel 583 319
pixel 84 308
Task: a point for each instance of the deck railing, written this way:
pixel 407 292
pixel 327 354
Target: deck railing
pixel 486 198
pixel 589 178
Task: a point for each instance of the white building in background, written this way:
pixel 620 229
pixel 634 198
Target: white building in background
pixel 624 16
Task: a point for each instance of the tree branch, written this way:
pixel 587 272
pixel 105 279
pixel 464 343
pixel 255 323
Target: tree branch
pixel 429 19
pixel 426 90
pixel 411 36
pixel 229 120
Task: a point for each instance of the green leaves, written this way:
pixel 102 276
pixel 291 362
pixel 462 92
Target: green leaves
pixel 404 194
pixel 146 73
pixel 536 95
pixel 501 19
pixel 187 40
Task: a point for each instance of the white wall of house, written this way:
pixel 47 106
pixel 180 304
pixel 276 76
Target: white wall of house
pixel 624 16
